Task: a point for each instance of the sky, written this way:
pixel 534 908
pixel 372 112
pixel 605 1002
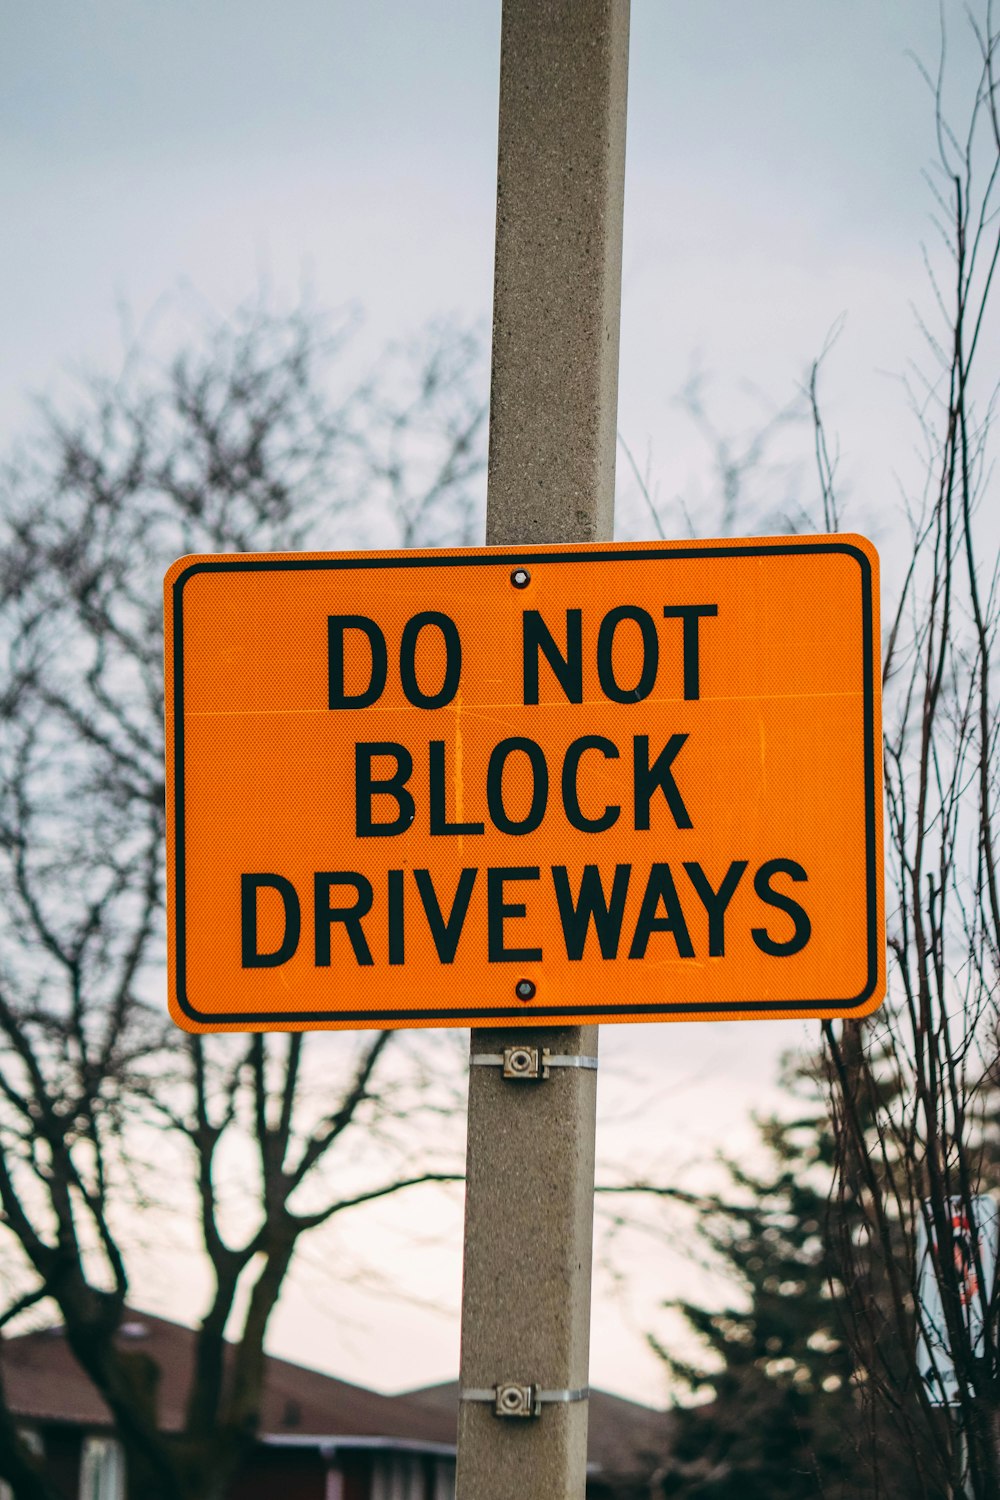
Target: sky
pixel 159 158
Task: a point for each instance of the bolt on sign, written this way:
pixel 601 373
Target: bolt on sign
pixel 595 782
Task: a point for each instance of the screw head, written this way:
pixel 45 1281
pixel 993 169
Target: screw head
pixel 524 989
pixel 515 1401
pixel 520 1060
pixel 520 578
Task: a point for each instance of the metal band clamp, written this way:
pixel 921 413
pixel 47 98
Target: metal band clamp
pixel 528 1062
pixel 511 1399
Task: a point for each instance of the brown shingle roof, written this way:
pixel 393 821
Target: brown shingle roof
pixel 44 1382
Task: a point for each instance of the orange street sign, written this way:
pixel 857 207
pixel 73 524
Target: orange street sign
pixel 601 782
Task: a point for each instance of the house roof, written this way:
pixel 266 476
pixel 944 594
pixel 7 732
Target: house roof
pixel 44 1383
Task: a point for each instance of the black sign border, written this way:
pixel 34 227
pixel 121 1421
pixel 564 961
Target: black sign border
pixel 557 1014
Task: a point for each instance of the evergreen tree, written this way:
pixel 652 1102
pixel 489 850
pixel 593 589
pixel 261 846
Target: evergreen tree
pixel 785 1419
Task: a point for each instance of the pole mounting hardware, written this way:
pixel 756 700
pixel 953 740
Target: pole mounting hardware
pixel 512 1399
pixel 524 1061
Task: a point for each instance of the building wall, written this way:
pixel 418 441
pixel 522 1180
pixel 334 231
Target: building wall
pixel 411 1476
pixel 377 1475
pixel 302 1474
pixel 62 1457
pixel 355 1474
pixel 281 1474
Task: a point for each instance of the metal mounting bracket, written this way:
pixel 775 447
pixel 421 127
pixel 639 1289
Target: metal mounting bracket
pixel 512 1399
pixel 525 1061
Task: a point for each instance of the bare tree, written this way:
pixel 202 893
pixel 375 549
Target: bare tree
pixel 915 1090
pixel 754 474
pixel 236 444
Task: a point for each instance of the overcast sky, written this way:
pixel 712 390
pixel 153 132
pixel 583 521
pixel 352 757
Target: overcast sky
pixel 774 188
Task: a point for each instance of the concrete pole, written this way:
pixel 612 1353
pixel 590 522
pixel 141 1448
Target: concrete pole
pixel 553 411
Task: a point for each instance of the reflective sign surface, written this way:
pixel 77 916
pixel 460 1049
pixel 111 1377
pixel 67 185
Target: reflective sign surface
pixel 581 783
